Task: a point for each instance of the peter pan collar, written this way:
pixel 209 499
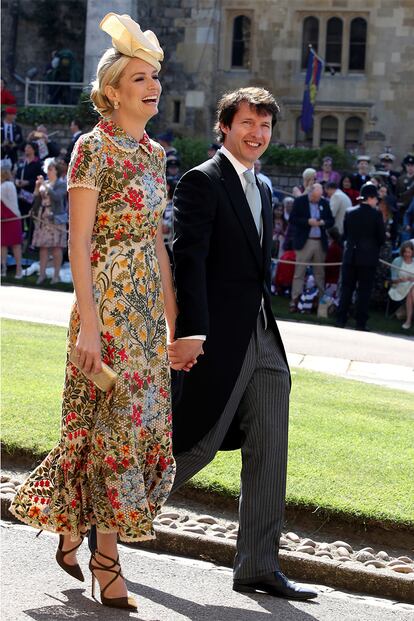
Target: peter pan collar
pixel 121 139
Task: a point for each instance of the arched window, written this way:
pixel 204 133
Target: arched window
pixel 333 51
pixel 357 44
pixel 302 139
pixel 353 132
pixel 309 37
pixel 329 130
pixel 240 53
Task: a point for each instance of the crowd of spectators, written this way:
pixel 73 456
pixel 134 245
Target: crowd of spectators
pixel 34 206
pixel 308 224
pixel 309 232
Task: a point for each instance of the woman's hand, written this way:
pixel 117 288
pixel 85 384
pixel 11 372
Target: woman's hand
pixel 88 349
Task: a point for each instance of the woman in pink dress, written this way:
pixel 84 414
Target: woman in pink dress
pixel 11 226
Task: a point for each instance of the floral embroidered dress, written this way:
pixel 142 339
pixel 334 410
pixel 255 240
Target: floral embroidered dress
pixel 113 466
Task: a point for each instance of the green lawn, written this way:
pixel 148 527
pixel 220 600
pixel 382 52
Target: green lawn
pixel 351 444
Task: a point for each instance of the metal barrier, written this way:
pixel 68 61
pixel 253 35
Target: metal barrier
pixel 44 93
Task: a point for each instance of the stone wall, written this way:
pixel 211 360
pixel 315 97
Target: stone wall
pixel 28 40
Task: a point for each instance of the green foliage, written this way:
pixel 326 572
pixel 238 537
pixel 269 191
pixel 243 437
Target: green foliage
pixel 301 157
pixel 56 115
pixel 49 115
pixel 191 151
pixel 85 111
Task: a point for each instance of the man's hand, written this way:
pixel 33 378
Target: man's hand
pixel 313 222
pixel 183 353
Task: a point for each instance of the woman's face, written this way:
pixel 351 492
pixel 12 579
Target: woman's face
pixel 327 166
pixel 346 183
pixel 29 151
pixel 138 92
pixel 51 172
pixel 278 211
pixel 383 191
pixel 408 254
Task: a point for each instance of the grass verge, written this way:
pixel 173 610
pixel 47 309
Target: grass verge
pixel 351 445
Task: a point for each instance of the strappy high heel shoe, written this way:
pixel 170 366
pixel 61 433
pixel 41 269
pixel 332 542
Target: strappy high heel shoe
pixel 73 570
pixel 114 602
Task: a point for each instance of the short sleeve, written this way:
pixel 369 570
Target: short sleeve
pixel 85 163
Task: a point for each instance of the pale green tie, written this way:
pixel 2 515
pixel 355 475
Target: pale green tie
pixel 253 198
pixel 255 204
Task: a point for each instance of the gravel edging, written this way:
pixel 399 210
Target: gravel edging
pixel 336 564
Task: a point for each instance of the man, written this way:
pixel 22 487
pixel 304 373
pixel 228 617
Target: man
pixel 339 202
pixel 76 131
pixel 261 176
pixel 11 136
pixel 386 163
pixel 405 185
pixel 362 176
pixel 364 234
pixel 238 392
pixel 310 218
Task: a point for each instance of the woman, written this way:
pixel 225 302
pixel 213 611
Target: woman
pixel 114 465
pixel 346 186
pixel 11 225
pixel 50 218
pixel 327 174
pixel 379 291
pixel 402 279
pixel 309 176
pixel 26 175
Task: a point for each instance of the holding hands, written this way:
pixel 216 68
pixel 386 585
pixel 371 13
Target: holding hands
pixel 183 353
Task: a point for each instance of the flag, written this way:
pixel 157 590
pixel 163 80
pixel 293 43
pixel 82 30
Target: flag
pixel 313 76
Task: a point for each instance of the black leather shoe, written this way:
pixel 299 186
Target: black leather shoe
pixel 275 584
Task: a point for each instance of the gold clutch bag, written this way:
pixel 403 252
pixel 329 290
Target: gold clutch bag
pixel 104 380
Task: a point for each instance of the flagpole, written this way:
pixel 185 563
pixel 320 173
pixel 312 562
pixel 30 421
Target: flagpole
pixel 315 54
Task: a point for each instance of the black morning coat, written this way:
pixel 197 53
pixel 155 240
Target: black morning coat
pixel 299 221
pixel 221 274
pixel 364 234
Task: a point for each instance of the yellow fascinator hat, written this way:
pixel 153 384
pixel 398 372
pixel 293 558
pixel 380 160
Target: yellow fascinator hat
pixel 128 39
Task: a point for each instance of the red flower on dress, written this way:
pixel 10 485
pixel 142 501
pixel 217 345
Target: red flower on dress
pixel 122 354
pixel 111 463
pixel 109 160
pixel 108 337
pixel 73 504
pixel 129 165
pixel 141 167
pixel 136 414
pixel 137 379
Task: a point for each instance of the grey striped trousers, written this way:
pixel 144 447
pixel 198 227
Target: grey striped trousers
pixel 261 395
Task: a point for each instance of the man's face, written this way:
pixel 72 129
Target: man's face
pixel 410 169
pixel 363 167
pixel 316 193
pixel 330 191
pixel 386 164
pixel 372 201
pixel 249 135
pixel 74 128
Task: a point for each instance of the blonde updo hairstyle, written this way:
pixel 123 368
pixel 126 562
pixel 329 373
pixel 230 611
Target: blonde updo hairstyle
pixel 108 73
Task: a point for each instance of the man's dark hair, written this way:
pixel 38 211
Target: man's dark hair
pixel 259 99
pixel 331 185
pixel 77 122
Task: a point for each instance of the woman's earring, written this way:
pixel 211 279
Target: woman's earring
pixel 116 105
